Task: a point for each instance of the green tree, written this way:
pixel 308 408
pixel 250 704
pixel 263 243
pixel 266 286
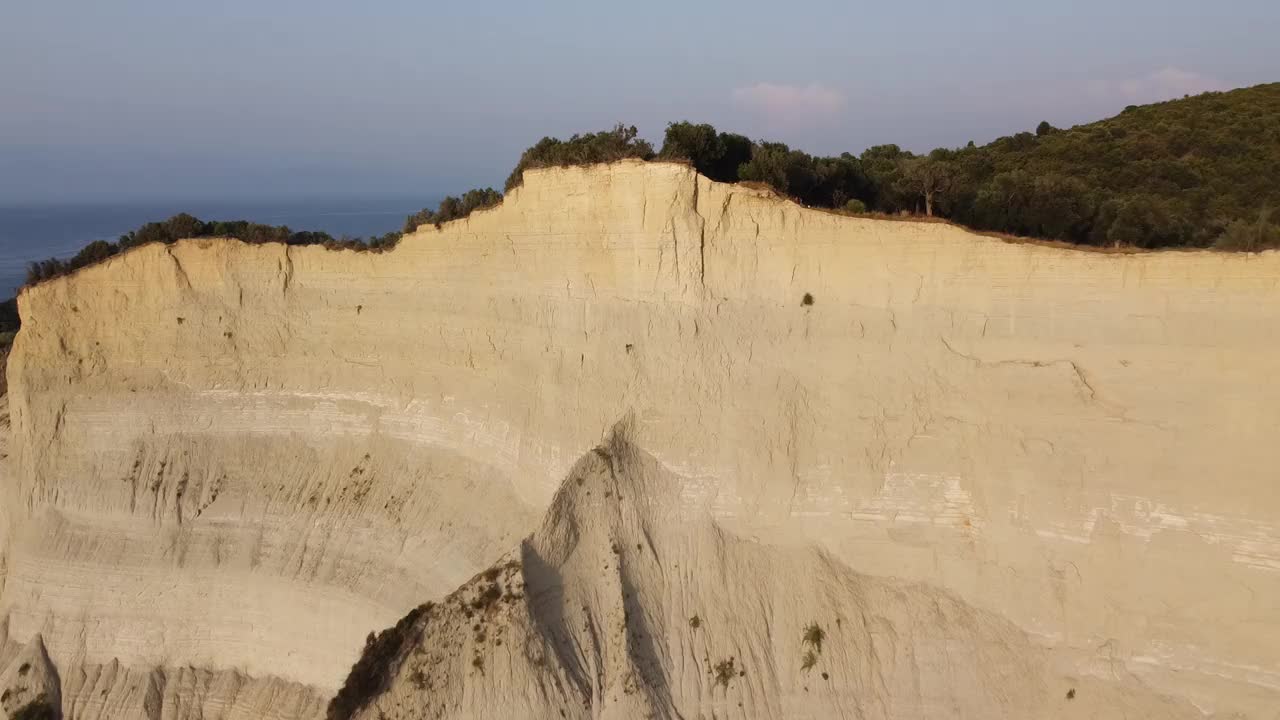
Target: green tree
pixel 926 178
pixel 714 154
pixel 699 144
pixel 839 180
pixel 882 165
pixel 1148 221
pixel 788 171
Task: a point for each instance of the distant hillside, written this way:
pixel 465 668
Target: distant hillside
pixel 1201 171
pixel 1184 172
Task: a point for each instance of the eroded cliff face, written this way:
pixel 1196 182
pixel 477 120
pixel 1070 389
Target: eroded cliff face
pixel 627 603
pixel 246 458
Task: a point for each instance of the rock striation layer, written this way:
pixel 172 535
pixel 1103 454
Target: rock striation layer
pixel 627 603
pixel 230 463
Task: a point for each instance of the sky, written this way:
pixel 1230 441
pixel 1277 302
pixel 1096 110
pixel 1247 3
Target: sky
pixel 155 99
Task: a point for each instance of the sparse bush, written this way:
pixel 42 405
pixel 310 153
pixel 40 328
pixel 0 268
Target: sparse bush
pixel 808 661
pixel 487 597
pixel 725 671
pixel 695 622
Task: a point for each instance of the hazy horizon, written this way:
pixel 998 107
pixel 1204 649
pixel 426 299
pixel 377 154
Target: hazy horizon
pixel 148 100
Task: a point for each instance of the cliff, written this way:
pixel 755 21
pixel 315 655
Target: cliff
pixel 243 459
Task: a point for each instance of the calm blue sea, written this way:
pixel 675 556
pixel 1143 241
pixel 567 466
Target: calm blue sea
pixel 37 232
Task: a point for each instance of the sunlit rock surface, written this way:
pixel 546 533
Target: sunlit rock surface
pixel 228 464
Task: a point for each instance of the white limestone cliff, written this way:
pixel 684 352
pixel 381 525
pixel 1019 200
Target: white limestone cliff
pixel 244 459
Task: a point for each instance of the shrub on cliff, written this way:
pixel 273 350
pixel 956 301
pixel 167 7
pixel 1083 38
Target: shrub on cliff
pixel 617 144
pixel 166 231
pixel 717 155
pixel 453 208
pixel 93 252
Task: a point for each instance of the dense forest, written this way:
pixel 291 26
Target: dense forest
pixel 1201 172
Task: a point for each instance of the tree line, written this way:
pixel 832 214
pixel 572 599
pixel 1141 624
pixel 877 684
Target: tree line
pixel 1197 172
pixel 183 226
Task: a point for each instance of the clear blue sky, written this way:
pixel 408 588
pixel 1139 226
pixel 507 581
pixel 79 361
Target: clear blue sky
pixel 137 99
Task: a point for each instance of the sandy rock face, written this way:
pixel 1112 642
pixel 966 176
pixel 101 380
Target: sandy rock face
pixel 244 459
pixel 29 686
pixel 627 603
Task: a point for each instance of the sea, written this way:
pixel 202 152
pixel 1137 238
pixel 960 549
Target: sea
pixel 36 232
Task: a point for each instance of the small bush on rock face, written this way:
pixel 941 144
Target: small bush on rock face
pixel 809 660
pixel 814 635
pixel 725 671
